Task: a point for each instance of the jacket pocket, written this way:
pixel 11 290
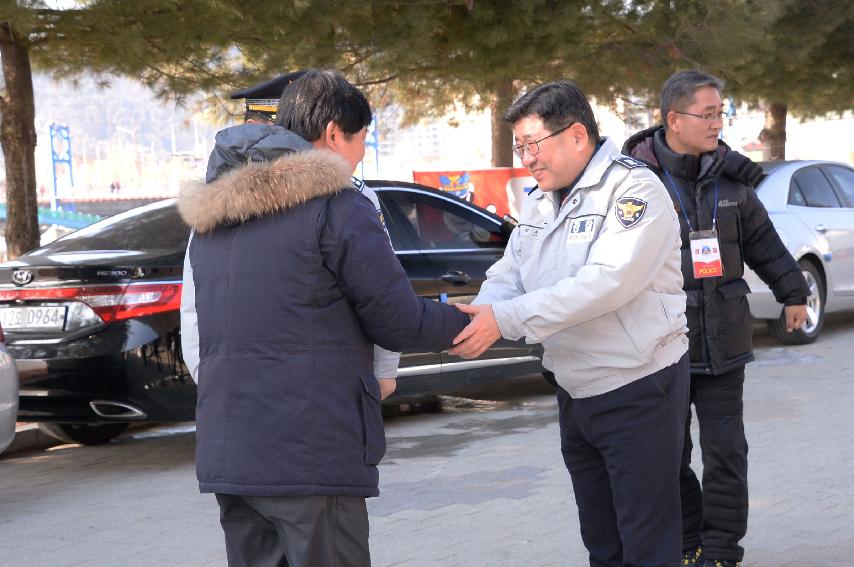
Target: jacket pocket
pixel 734 289
pixel 372 421
pixel 736 325
pixel 644 321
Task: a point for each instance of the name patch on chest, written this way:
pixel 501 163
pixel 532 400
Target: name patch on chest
pixel 581 229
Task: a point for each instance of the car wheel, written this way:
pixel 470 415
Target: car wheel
pixel 550 378
pixel 815 311
pixel 83 433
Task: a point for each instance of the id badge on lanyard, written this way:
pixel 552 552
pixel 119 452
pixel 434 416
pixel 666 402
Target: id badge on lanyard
pixel 705 248
pixel 706 254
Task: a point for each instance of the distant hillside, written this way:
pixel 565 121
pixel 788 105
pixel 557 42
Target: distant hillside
pixel 118 126
pixel 95 113
pixel 124 110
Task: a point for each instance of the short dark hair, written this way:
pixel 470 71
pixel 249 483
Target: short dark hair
pixel 558 104
pixel 318 98
pixel 678 91
pixel 255 115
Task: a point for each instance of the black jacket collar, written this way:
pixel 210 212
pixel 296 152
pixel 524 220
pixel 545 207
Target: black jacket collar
pixel 686 166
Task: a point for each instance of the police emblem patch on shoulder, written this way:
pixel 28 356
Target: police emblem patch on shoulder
pixel 629 162
pixel 629 210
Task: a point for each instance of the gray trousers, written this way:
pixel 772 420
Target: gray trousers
pixel 295 531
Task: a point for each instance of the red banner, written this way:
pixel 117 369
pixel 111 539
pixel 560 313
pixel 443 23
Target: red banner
pixel 500 190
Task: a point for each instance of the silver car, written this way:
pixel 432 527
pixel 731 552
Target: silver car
pixel 8 396
pixel 811 203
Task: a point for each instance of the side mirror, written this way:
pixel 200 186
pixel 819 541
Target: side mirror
pixel 508 223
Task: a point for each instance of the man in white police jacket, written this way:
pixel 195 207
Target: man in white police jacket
pixel 593 273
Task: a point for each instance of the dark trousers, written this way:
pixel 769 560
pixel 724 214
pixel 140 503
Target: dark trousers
pixel 623 450
pixel 295 531
pixel 716 515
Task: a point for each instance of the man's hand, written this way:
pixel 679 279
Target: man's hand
pixel 479 334
pixel 796 316
pixel 387 387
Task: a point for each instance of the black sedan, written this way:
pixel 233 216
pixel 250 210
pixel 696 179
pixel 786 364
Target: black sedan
pixel 92 319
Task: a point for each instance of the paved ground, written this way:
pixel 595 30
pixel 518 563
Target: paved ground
pixel 481 483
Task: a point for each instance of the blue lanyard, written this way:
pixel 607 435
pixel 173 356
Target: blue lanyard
pixel 682 206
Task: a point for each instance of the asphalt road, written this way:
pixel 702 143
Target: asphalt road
pixel 479 483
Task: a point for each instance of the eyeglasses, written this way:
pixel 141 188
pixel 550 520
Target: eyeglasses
pixel 710 117
pixel 533 146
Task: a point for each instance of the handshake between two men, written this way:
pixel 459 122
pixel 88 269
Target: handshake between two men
pixel 478 335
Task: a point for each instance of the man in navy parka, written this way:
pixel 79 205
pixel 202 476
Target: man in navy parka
pixel 290 281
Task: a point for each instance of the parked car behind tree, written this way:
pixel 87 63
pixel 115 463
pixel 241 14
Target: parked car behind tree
pixel 811 204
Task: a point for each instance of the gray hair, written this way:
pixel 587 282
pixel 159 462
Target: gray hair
pixel 678 92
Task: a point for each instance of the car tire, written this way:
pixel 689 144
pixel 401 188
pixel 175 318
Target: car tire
pixel 550 378
pixel 83 433
pixel 810 331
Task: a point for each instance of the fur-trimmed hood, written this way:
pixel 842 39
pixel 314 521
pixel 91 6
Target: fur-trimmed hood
pixel 257 143
pixel 259 189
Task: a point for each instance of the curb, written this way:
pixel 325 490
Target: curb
pixel 29 437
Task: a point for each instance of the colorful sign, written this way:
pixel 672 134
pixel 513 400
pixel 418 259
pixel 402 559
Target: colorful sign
pixel 500 189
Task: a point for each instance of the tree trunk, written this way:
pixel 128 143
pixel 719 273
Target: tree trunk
pixel 502 135
pixel 18 142
pixel 773 135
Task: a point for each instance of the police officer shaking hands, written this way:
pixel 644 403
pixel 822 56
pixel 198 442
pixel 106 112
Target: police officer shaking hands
pixel 593 273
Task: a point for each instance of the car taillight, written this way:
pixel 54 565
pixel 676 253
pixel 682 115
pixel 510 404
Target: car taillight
pixel 110 303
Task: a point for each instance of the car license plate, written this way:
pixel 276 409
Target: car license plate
pixel 32 318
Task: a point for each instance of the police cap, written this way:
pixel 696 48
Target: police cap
pixel 263 98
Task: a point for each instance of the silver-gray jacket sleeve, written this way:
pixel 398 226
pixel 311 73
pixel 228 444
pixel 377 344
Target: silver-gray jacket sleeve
pixel 189 319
